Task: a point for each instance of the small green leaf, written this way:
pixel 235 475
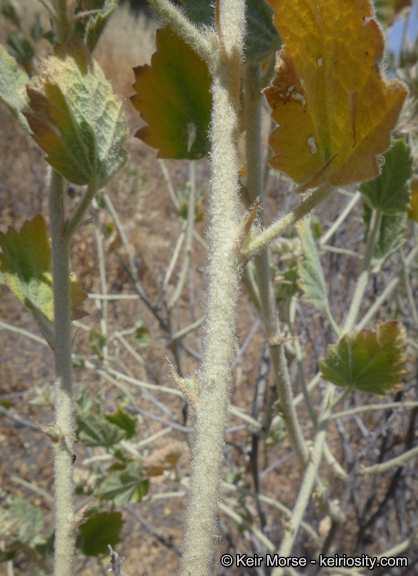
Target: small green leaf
pixel 124 421
pixel 95 430
pixel 288 284
pixel 9 12
pixel 13 86
pixel 390 192
pixel 391 236
pixel 262 38
pixel 311 275
pixel 173 97
pixel 371 361
pixel 142 337
pixel 36 30
pixel 75 117
pixel 91 28
pixel 31 522
pixel 97 342
pixel 122 487
pixel 98 532
pixel 27 268
pixel 20 47
pixel 83 402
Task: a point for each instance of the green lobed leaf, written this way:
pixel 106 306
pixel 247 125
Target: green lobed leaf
pixel 95 430
pixel 13 86
pixel 391 236
pixel 123 486
pixel 288 285
pixel 390 192
pixel 371 361
pixel 311 275
pixel 262 38
pixel 122 419
pixel 75 117
pixel 173 98
pixel 31 522
pixel 26 264
pixel 98 532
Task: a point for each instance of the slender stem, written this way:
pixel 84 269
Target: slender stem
pixel 64 487
pixel 187 329
pixel 393 463
pixel 271 502
pixel 182 25
pixel 332 229
pixel 174 259
pixel 308 483
pixel 223 278
pixel 62 22
pixel 85 201
pixel 189 237
pixel 372 407
pixel 401 547
pixel 288 221
pixel 102 305
pixel 366 271
pixel 299 360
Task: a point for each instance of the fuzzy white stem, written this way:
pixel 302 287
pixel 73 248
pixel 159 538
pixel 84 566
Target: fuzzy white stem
pixel 223 273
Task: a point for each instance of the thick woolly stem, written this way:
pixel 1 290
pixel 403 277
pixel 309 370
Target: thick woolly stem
pixel 64 488
pixel 223 277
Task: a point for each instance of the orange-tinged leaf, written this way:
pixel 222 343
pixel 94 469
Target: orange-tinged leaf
pixel 331 98
pixel 173 97
pixel 26 264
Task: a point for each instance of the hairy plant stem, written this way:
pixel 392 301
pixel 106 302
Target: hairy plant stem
pixel 184 28
pixel 286 222
pixel 223 273
pixel 64 488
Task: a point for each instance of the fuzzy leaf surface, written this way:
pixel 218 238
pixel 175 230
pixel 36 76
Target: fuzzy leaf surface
pixel 26 264
pixel 75 117
pixel 311 276
pixel 371 361
pixel 333 103
pixel 99 531
pixel 390 192
pixel 173 97
pixel 12 86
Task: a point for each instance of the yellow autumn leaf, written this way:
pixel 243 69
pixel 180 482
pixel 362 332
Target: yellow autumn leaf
pixel 331 99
